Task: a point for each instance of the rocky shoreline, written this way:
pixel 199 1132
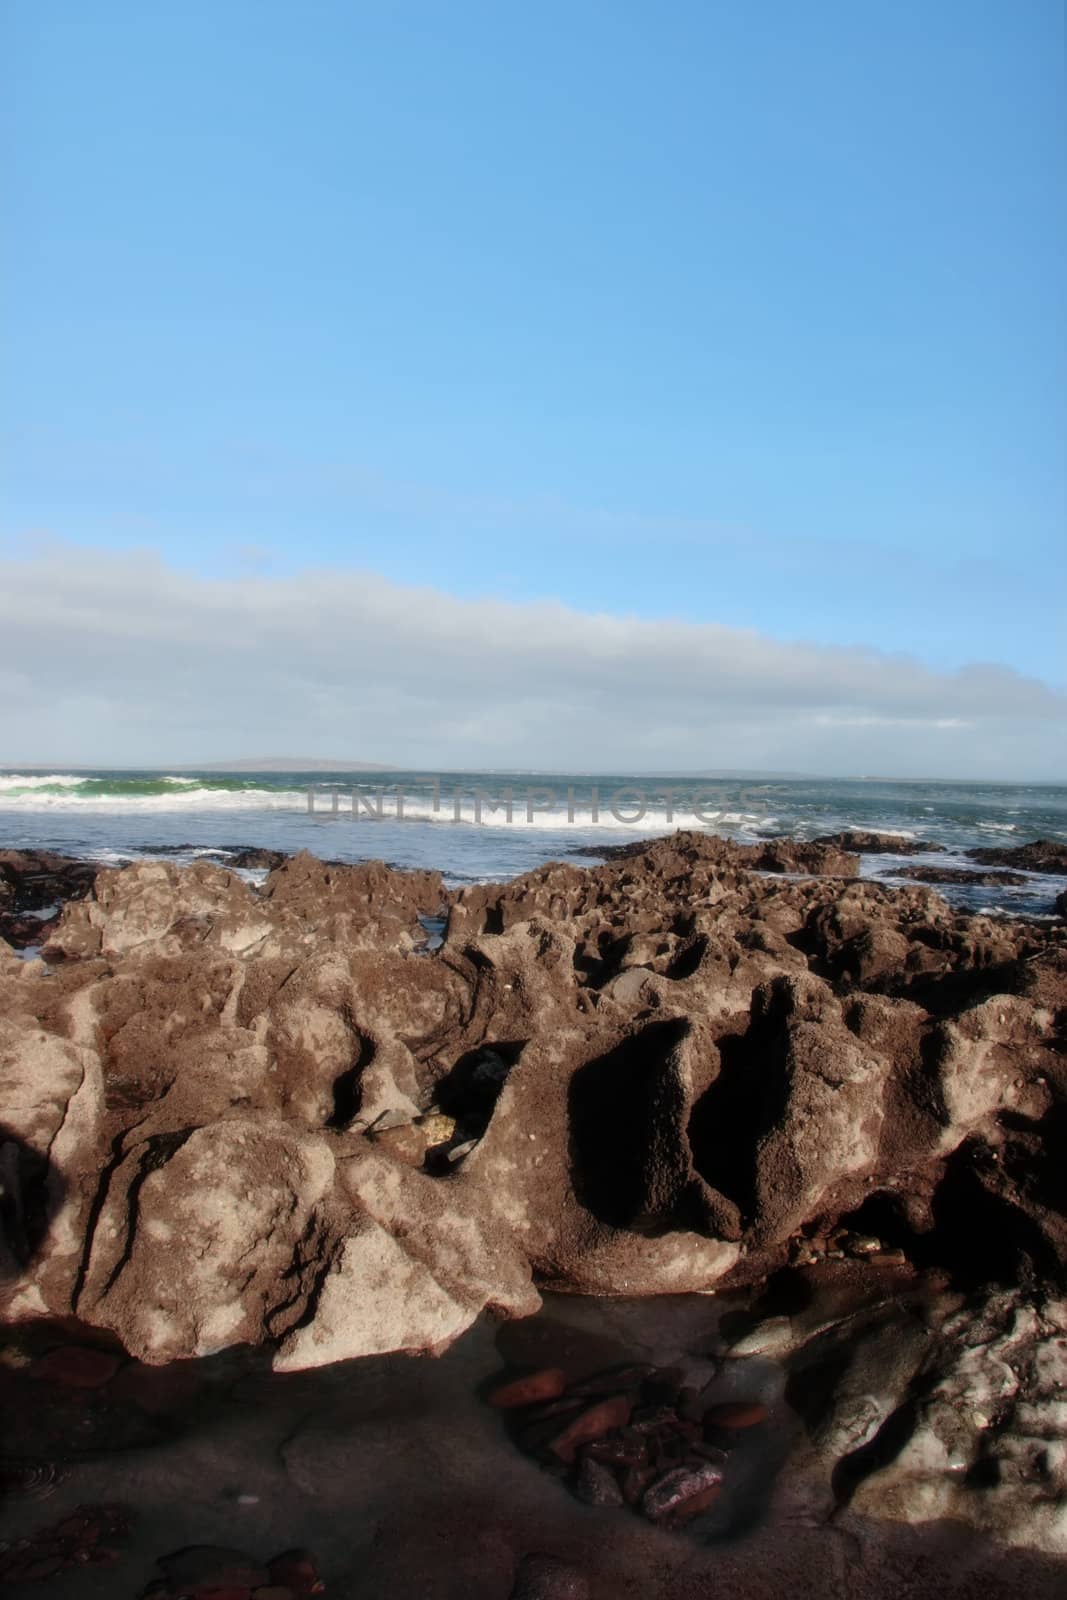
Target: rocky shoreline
pixel 278 1117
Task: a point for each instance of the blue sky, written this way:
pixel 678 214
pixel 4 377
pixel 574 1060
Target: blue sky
pixel 731 314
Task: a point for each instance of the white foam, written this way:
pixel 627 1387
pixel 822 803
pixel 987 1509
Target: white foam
pixel 493 813
pixel 34 780
pixel 197 799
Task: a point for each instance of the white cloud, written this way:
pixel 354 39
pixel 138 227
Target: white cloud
pixel 119 658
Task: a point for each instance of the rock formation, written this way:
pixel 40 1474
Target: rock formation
pixel 1042 855
pixel 33 886
pixel 235 1115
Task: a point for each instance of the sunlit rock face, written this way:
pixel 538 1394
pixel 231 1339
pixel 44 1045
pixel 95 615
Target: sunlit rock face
pixel 237 1115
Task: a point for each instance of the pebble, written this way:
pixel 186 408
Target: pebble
pixel 648 1457
pixel 670 1492
pixel 437 1128
pixel 597 1484
pixel 591 1424
pixel 736 1415
pixel 695 1504
pixel 863 1244
pixel 547 1384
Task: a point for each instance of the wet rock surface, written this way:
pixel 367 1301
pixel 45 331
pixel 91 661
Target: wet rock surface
pixel 387 1476
pixel 1041 855
pixel 636 1436
pixel 34 885
pixel 947 874
pixel 883 844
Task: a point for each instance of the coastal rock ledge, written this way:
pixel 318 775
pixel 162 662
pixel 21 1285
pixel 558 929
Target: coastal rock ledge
pixel 238 1115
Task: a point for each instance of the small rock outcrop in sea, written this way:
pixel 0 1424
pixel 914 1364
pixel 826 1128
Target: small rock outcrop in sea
pixel 1042 855
pixel 235 1115
pixel 993 879
pixel 881 844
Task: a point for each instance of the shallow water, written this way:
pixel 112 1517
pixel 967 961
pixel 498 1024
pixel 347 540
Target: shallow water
pixel 404 1482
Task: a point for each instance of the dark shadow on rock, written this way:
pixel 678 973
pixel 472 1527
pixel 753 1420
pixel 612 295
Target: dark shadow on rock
pixel 31 1192
pixel 469 1092
pixel 348 1086
pixel 628 1162
pixel 744 1103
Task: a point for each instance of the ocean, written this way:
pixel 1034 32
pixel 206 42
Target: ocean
pixel 459 822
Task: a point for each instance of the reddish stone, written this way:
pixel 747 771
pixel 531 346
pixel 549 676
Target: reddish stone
pixel 694 1505
pixel 547 1384
pixel 592 1424
pixel 76 1366
pixel 738 1414
pixel 668 1498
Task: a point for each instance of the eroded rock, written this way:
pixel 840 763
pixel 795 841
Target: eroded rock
pixel 231 1113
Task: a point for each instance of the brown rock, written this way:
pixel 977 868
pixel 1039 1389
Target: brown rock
pixel 672 1492
pixel 736 1415
pixel 547 1384
pixel 1041 855
pixel 591 1424
pixel 695 1060
pixel 888 844
pixel 992 880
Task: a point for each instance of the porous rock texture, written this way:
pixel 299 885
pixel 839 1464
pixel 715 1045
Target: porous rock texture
pixel 236 1115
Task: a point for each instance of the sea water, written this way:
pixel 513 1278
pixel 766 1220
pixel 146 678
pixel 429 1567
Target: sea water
pixel 492 825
